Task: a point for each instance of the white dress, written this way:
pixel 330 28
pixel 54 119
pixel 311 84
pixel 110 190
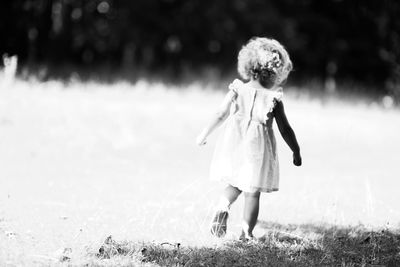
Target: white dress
pixel 245 154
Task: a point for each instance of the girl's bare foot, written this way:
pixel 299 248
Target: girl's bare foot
pixel 247 237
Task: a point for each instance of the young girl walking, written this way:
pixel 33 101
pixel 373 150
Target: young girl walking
pixel 245 156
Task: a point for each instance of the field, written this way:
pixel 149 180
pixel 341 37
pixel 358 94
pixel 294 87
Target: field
pixel 82 161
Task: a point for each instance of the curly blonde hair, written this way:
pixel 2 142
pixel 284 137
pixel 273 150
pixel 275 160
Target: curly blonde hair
pixel 264 55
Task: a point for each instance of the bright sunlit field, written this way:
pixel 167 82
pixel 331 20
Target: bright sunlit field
pixel 81 161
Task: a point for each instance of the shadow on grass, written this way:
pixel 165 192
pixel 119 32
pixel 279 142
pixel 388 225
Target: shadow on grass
pixel 281 245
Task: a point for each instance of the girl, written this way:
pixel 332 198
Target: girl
pixel 245 155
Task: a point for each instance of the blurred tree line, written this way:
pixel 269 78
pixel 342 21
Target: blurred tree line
pixel 347 39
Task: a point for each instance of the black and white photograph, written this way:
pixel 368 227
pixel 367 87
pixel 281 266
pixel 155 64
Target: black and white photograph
pixel 200 133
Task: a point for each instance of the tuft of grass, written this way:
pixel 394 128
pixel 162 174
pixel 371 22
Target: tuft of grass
pixel 281 245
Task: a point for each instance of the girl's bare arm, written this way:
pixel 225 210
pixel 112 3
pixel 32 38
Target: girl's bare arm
pixel 287 132
pixel 218 118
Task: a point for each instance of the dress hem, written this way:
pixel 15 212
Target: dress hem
pixel 251 189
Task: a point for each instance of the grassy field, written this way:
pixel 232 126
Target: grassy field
pixel 82 161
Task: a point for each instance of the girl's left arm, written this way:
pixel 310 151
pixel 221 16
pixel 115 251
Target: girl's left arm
pixel 287 132
pixel 218 118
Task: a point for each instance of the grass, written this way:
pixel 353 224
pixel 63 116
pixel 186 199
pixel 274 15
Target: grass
pixel 293 245
pixel 81 161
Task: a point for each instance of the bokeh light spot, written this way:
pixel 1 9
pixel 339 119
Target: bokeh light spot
pixel 32 34
pixel 214 46
pixel 388 101
pixel 173 44
pixel 103 7
pixel 76 14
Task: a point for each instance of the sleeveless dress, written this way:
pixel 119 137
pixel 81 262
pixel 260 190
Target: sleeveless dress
pixel 245 154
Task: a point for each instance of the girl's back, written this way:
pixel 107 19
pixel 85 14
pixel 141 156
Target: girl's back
pixel 254 103
pixel 245 154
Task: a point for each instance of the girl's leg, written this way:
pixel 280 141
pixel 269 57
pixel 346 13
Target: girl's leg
pixel 250 215
pixel 231 193
pixel 219 222
pixel 229 196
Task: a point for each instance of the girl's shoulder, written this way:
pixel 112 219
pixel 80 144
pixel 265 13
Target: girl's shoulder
pixel 278 93
pixel 236 86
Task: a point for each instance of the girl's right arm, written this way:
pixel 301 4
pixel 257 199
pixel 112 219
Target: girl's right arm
pixel 218 118
pixel 287 132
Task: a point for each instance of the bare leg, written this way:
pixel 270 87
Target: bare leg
pixel 231 193
pixel 250 215
pixel 219 222
pixel 229 196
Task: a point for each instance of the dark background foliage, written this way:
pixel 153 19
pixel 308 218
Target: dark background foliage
pixel 347 39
